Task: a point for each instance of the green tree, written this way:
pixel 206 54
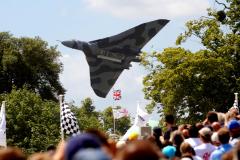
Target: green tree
pixel 122 124
pixel 191 84
pixel 87 116
pixel 31 62
pixel 32 124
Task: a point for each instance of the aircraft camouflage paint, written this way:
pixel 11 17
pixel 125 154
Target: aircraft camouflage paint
pixel 108 57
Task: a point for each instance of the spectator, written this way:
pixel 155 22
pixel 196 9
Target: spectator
pixel 169 152
pixel 11 154
pixel 205 149
pixel 215 140
pixel 185 133
pixel 157 133
pixel 234 128
pixel 211 117
pixel 108 145
pixel 193 139
pixel 170 122
pixel 188 152
pixel 177 139
pixel 229 116
pixel 221 118
pixel 40 156
pixel 224 136
pixel 79 142
pixel 51 149
pixel 234 110
pixel 216 126
pixel 138 150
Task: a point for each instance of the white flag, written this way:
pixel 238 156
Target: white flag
pixel 3 139
pixel 141 118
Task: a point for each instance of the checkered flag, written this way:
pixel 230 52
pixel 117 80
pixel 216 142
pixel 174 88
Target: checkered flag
pixel 68 121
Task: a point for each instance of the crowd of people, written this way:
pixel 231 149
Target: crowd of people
pixel 215 138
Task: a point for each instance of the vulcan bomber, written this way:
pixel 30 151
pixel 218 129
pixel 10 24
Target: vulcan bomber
pixel 108 57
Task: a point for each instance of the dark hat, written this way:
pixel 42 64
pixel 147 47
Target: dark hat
pixel 79 142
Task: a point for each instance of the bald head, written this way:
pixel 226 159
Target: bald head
pixel 216 126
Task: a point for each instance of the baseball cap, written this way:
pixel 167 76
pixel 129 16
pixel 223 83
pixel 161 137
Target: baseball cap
pixel 233 124
pixel 205 131
pixel 169 151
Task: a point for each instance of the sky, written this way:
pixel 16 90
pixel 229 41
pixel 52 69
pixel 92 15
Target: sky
pixel 87 20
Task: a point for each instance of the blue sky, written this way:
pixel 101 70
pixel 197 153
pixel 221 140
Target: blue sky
pixel 93 19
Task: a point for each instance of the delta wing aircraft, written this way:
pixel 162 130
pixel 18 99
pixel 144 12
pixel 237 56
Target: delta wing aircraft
pixel 108 57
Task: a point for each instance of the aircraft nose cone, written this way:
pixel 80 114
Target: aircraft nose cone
pixel 68 43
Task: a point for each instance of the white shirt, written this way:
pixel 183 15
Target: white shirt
pixel 234 141
pixel 204 150
pixel 193 141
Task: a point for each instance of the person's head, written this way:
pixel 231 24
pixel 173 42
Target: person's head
pixel 101 136
pixel 234 110
pixel 212 117
pixel 169 152
pixel 205 134
pixel 12 154
pixel 177 138
pixel 185 133
pixel 223 135
pixel 79 142
pixel 107 144
pixel 157 132
pixel 199 126
pixel 169 119
pixel 229 116
pixel 186 149
pixel 234 128
pixel 51 149
pixel 216 126
pixel 182 127
pixel 40 156
pixel 193 132
pixel 221 117
pixel 215 139
pixel 139 150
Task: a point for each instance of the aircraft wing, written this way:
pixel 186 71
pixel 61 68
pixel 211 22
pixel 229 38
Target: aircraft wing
pixel 103 74
pixel 133 39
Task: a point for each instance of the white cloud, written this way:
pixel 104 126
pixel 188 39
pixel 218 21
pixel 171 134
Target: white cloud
pixel 150 8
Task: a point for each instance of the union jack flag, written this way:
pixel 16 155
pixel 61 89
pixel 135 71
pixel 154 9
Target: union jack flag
pixel 117 94
pixel 119 113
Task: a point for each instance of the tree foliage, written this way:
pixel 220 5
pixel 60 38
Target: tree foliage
pixel 121 125
pixel 31 62
pixel 191 84
pixel 87 116
pixel 32 124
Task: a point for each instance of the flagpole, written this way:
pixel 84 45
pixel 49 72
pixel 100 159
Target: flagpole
pixel 114 120
pixel 61 103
